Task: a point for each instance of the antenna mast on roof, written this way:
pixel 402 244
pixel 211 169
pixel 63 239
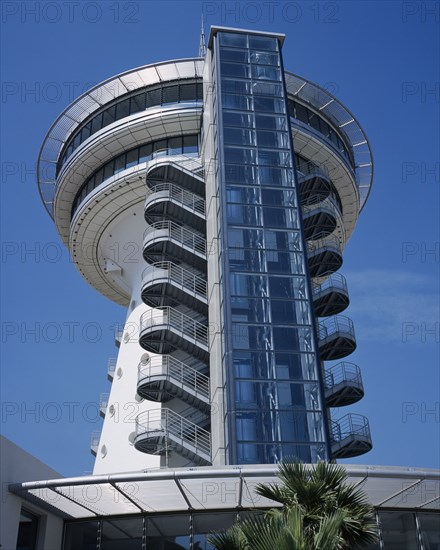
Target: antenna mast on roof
pixel 202 45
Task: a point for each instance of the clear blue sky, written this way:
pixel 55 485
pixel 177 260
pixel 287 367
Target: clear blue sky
pixel 380 58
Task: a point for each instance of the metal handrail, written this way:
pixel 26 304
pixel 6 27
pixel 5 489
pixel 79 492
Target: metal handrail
pixel 103 400
pixel 111 366
pixel 176 193
pixel 176 274
pixel 326 242
pixel 172 368
pixel 332 325
pixel 94 440
pixel 342 372
pixel 184 236
pixel 329 203
pixel 179 321
pixel 334 281
pixel 348 425
pixel 169 422
pixel 312 169
pixel 190 162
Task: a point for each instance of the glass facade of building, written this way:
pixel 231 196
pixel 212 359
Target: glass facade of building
pixel 398 529
pixel 273 404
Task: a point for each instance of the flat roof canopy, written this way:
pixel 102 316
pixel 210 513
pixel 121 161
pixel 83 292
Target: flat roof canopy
pixel 209 489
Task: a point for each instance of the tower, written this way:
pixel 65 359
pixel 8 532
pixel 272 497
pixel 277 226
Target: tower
pixel 214 198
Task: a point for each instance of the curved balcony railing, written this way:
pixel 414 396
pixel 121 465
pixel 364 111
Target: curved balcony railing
pixel 190 162
pixel 343 384
pixel 159 431
pixel 111 368
pixel 160 191
pixel 321 218
pixel 350 436
pixel 181 327
pixel 103 403
pixel 311 169
pixel 330 297
pixel 314 182
pixel 336 337
pixel 119 332
pixel 178 277
pixel 324 256
pixel 170 231
pixel 164 377
pixel 94 442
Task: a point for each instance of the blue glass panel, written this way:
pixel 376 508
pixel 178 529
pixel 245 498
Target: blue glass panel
pixel 237 56
pixel 263 43
pixel 235 69
pixel 264 58
pixel 236 40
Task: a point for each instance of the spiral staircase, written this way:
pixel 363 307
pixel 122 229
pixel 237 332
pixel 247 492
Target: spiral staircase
pixel 324 233
pixel 175 327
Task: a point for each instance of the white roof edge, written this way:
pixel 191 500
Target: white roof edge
pixel 226 471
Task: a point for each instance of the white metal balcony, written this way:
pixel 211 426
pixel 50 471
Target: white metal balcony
pixel 161 431
pixel 119 332
pixel 174 240
pixel 94 442
pixel 186 171
pixel 336 337
pixel 331 296
pixel 321 218
pixel 111 368
pixel 350 436
pixel 314 182
pixel 103 403
pixel 164 283
pixel 165 377
pixel 164 329
pixel 166 198
pixel 324 256
pixel 343 384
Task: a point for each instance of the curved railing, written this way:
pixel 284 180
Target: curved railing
pixel 337 324
pixel 182 435
pixel 335 281
pixel 103 403
pixel 119 333
pixel 189 162
pixel 94 442
pixel 324 244
pixel 324 256
pixel 306 169
pixel 111 368
pixel 177 275
pixel 175 193
pixel 170 230
pixel 342 372
pixel 336 337
pixel 331 296
pixel 176 320
pixel 321 218
pixel 350 436
pixel 167 366
pixel 329 204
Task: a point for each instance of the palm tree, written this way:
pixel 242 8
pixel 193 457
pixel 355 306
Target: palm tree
pixel 320 511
